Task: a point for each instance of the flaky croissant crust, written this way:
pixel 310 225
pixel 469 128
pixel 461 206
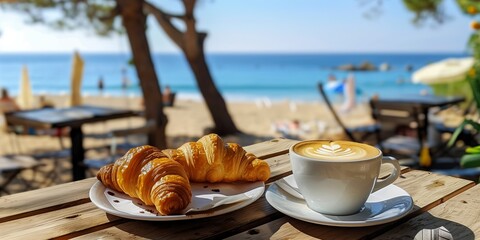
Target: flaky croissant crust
pixel 147 174
pixel 211 160
pixel 161 178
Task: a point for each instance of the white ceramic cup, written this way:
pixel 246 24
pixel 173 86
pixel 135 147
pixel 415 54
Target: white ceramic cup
pixel 340 185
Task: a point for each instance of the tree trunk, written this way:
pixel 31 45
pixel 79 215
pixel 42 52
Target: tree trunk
pixel 134 21
pixel 191 43
pixel 224 124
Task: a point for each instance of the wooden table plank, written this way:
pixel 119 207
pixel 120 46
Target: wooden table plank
pixel 427 190
pixel 460 216
pixel 45 199
pixel 56 223
pixel 270 148
pixel 279 167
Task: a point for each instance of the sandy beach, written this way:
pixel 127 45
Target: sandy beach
pixel 256 119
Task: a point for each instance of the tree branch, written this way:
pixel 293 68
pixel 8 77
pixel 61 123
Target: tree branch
pixel 170 16
pixel 165 21
pixel 112 14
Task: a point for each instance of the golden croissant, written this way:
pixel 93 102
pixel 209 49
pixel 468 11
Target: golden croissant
pixel 147 174
pixel 161 178
pixel 211 160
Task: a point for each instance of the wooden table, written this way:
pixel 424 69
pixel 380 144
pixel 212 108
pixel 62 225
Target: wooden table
pixel 65 211
pixel 424 102
pixel 73 117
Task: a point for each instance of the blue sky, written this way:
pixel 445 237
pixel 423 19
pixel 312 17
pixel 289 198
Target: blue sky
pixel 301 26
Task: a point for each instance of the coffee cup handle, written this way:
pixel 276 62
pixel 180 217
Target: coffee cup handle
pixel 381 183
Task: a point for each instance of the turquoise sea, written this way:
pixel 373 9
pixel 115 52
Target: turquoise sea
pixel 238 76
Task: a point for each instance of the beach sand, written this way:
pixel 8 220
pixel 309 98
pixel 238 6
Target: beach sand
pixel 187 120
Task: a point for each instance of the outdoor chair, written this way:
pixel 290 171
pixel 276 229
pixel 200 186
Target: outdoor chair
pixel 55 156
pixel 401 129
pixel 15 135
pixel 357 134
pixel 169 99
pixel 12 166
pixel 132 137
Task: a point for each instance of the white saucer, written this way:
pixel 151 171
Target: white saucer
pixel 120 204
pixel 385 205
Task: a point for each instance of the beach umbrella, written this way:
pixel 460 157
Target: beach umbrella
pixel 76 80
pixel 446 77
pixel 445 71
pixel 25 96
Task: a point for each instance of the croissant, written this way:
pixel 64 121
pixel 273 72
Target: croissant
pixel 161 178
pixel 211 160
pixel 147 174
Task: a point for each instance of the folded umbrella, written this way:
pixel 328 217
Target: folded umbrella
pixel 25 95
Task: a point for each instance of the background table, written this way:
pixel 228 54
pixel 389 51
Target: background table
pixel 65 211
pixel 73 117
pixel 424 102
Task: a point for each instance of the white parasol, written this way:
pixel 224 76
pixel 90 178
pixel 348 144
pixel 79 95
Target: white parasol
pixel 445 71
pixel 25 95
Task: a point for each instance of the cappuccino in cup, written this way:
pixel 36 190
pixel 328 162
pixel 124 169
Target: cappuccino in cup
pixel 336 150
pixel 337 177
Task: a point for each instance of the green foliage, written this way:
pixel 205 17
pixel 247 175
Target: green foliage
pixel 472 156
pixel 473 150
pixel 67 15
pixel 425 9
pixel 473 78
pixel 471 7
pixel 461 128
pixel 470 161
pixel 474 45
pixel 474 82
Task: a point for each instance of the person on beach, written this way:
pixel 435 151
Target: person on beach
pixel 167 96
pixel 293 129
pixel 334 85
pixel 7 104
pixel 349 91
pixel 45 103
pixel 100 85
pixel 125 80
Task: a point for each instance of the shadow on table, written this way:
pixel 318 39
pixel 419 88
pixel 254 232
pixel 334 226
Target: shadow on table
pixel 406 230
pixel 409 229
pixel 162 229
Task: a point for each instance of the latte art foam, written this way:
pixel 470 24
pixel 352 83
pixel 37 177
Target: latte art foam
pixel 339 150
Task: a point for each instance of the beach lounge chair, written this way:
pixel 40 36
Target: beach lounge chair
pixel 357 134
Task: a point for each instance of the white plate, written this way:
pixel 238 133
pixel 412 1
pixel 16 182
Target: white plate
pixel 385 205
pixel 120 204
